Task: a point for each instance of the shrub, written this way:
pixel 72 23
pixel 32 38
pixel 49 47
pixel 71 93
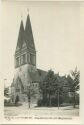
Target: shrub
pixel 43 102
pixel 39 103
pixel 9 104
pixel 54 101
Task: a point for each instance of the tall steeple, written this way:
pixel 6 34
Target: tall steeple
pixel 21 35
pixel 25 51
pixel 28 34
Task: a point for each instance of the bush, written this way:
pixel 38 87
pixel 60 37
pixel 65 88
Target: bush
pixel 54 102
pixel 77 99
pixel 43 102
pixel 11 104
pixel 39 103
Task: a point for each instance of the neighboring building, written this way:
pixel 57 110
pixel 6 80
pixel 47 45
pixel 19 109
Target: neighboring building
pixel 26 72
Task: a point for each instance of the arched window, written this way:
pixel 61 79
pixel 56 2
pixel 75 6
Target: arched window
pixel 24 58
pixel 17 61
pixel 28 58
pixel 32 59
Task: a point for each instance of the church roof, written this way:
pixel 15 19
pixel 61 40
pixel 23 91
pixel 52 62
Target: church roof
pixel 12 84
pixel 42 74
pixel 38 75
pixel 34 76
pixel 21 35
pixel 28 34
pixel 19 81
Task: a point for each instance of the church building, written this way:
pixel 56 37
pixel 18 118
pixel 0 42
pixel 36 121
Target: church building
pixel 26 75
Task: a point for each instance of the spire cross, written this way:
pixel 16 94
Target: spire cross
pixel 28 10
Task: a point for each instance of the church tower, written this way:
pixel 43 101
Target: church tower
pixel 25 50
pixel 26 72
pixel 25 60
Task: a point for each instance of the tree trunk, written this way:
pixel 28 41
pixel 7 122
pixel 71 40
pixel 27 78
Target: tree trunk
pixel 29 99
pixel 58 99
pixel 74 100
pixel 29 103
pixel 49 99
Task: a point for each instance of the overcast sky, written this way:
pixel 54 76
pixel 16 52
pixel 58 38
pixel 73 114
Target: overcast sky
pixel 56 32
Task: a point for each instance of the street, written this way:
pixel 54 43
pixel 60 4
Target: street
pixel 40 111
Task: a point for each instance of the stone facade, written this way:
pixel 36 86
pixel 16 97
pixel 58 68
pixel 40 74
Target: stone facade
pixel 26 75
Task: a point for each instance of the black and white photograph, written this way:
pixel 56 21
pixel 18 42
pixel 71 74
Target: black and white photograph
pixel 40 62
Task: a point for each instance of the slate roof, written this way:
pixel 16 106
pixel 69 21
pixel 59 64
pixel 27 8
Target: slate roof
pixel 34 76
pixel 38 75
pixel 26 35
pixel 42 74
pixel 19 81
pixel 21 35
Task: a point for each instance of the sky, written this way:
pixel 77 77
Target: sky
pixel 56 32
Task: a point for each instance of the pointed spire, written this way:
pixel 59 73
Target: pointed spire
pixel 28 34
pixel 21 35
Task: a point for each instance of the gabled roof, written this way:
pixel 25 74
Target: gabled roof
pixel 19 82
pixel 42 74
pixel 38 75
pixel 34 76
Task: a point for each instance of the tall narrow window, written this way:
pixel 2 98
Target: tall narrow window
pixel 21 59
pixel 28 58
pixel 24 58
pixel 32 59
pixel 17 61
